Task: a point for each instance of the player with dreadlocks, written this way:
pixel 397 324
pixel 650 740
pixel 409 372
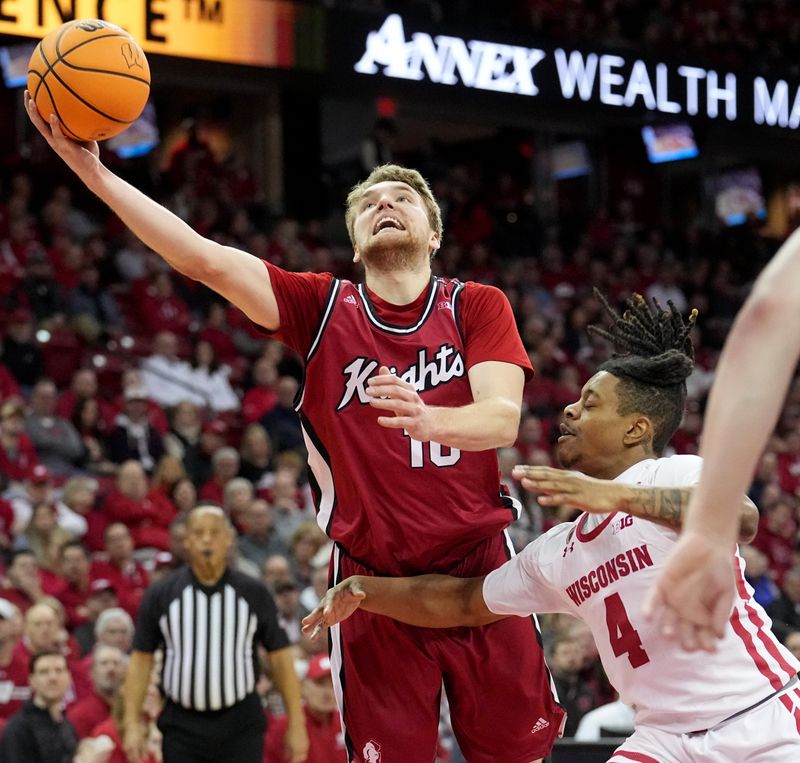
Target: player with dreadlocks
pixel 741 703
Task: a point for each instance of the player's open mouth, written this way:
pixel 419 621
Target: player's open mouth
pixel 387 223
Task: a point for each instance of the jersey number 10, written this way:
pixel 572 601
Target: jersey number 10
pixel 623 636
pixel 440 455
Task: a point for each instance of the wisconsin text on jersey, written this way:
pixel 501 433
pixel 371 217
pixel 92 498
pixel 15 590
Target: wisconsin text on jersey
pixel 446 364
pixel 621 565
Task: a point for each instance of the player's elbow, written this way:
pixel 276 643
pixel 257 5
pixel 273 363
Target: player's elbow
pixel 206 267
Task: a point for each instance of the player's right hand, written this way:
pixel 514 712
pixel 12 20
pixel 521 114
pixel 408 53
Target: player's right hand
pixel 79 157
pixel 693 596
pixel 336 605
pixel 134 742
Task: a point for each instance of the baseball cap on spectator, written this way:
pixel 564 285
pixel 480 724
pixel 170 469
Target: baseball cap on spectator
pixel 101 585
pixel 319 667
pixel 135 392
pixel 12 407
pixel 215 426
pixel 39 475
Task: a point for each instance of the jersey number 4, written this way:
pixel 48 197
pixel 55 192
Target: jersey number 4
pixel 440 455
pixel 623 636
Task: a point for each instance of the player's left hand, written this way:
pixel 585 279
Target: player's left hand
pixel 558 487
pixel 80 157
pixel 336 605
pixel 389 392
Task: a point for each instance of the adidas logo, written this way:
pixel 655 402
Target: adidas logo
pixel 539 725
pixel 350 300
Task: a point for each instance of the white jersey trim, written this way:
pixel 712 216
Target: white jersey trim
pixel 376 321
pixel 334 291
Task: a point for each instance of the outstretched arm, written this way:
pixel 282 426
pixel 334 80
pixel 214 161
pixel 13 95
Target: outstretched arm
pixel 695 590
pixel 667 506
pixel 491 421
pixel 236 275
pixel 432 601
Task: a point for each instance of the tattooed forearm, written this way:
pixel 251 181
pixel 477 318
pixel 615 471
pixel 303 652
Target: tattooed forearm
pixel 673 502
pixel 665 505
pixel 668 505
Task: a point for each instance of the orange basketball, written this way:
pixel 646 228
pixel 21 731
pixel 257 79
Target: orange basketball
pixel 93 75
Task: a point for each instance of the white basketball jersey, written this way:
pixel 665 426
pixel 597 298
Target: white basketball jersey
pixel 600 568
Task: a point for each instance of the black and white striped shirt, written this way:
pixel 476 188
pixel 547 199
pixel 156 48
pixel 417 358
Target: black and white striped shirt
pixel 209 635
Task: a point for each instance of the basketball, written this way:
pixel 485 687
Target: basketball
pixel 93 75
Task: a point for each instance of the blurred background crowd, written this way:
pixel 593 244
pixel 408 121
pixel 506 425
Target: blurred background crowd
pixel 128 392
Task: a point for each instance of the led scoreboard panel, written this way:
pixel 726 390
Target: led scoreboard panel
pixel 253 32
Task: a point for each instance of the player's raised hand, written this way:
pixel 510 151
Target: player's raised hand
pixel 558 487
pixel 390 393
pixel 337 604
pixel 693 595
pixel 79 157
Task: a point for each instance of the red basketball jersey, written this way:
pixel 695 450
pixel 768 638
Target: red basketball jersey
pixel 397 505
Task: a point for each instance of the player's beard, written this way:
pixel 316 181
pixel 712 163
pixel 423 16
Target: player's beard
pixel 394 253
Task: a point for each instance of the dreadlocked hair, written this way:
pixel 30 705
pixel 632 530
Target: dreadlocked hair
pixel 653 356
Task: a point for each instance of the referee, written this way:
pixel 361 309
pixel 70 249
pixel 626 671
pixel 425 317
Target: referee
pixel 210 619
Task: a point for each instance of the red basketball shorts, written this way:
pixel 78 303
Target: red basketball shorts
pixel 389 676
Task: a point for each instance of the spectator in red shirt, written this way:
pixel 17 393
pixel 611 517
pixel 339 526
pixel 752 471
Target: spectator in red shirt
pixel 146 513
pixel 224 467
pixel 218 334
pixel 326 740
pixel 72 589
pixel 108 671
pixel 6 524
pixel 23 585
pixel 17 454
pixel 260 399
pixel 14 686
pixel 8 384
pixel 126 574
pixel 161 309
pixel 776 537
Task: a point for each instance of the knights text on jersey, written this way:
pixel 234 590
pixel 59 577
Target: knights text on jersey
pixel 600 568
pixel 397 505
